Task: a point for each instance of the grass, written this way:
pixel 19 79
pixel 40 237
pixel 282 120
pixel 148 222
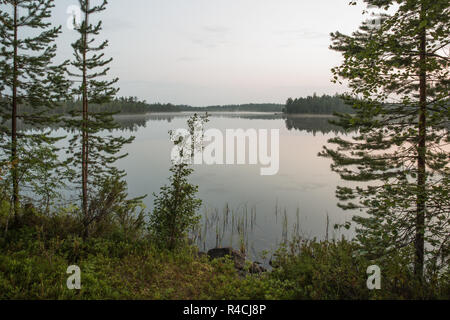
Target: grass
pixel 36 252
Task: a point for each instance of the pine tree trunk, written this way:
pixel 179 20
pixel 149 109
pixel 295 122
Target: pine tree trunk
pixel 84 154
pixel 14 157
pixel 421 163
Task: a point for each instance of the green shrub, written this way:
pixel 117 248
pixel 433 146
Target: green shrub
pixel 175 211
pixel 37 250
pixel 336 270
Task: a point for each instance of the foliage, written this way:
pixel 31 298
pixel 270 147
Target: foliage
pixel 175 209
pixel 398 76
pixel 113 212
pixel 317 105
pixel 131 105
pixel 35 256
pixel 335 270
pixel 93 148
pixel 28 78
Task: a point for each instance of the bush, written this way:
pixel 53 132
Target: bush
pixel 175 210
pixel 336 270
pixel 37 250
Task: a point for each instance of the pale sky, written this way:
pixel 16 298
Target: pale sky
pixel 209 52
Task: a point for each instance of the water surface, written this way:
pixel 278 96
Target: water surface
pixel 239 205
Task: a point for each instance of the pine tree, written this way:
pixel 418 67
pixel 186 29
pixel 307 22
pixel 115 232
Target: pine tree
pixel 28 80
pixel 92 151
pixel 398 74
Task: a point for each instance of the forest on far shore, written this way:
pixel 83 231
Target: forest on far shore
pixel 132 105
pixel 315 104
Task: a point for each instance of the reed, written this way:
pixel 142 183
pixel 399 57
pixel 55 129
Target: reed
pixel 237 226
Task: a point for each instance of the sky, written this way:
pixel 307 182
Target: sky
pixel 215 52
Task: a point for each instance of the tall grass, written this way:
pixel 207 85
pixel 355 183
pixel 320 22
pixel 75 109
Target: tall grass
pixel 236 227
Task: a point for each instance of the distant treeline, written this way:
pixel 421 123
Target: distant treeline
pixel 324 104
pixel 122 105
pixel 131 105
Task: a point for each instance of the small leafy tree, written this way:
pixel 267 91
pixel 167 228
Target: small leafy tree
pixel 176 206
pixel 175 211
pixel 196 125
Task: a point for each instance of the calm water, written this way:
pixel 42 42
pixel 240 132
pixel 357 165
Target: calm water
pixel 240 205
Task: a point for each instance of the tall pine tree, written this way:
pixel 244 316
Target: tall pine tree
pixel 93 148
pixel 398 75
pixel 28 80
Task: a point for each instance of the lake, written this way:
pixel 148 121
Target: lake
pixel 240 206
